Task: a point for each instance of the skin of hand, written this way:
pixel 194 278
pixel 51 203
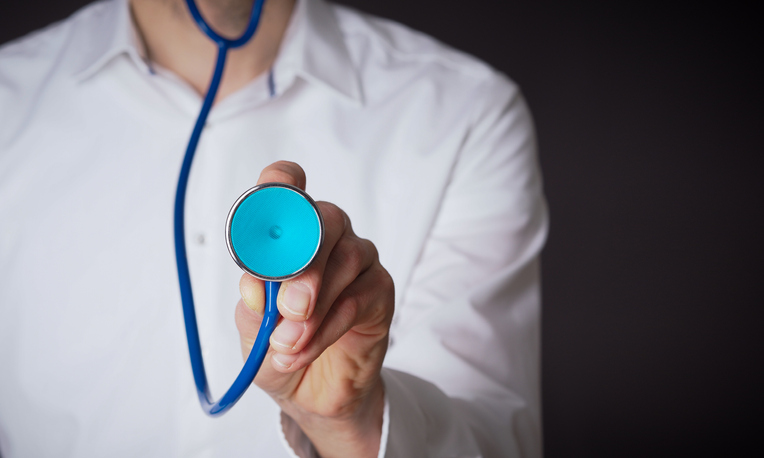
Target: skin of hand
pixel 323 365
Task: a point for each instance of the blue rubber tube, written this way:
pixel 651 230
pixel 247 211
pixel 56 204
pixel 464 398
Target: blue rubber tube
pixel 260 348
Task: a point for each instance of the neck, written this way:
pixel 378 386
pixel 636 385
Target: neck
pixel 173 40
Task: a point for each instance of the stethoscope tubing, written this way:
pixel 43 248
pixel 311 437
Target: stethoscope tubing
pixel 271 315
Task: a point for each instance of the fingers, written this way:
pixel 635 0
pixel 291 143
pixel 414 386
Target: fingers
pixel 283 172
pixel 249 310
pixel 248 323
pixel 305 300
pixel 253 293
pixel 297 297
pixel 345 292
pixel 364 309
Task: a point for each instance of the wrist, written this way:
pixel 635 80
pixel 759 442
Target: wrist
pixel 356 432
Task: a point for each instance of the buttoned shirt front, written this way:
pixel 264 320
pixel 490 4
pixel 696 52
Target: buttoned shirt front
pixel 430 152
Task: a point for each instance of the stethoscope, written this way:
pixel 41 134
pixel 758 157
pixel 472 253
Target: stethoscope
pixel 273 232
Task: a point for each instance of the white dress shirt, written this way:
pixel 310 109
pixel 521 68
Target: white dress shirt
pixel 430 152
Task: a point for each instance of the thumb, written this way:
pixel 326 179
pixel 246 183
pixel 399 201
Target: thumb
pixel 249 311
pixel 249 316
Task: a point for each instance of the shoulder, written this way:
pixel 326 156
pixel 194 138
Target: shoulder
pixel 394 45
pixel 42 59
pixel 44 47
pixel 403 44
pixel 392 57
pixel 25 62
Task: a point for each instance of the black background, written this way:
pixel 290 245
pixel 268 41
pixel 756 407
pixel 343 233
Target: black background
pixel 650 126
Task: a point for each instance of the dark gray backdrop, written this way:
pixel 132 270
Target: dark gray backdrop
pixel 650 125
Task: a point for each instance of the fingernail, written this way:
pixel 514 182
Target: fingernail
pixel 284 361
pixel 287 333
pixel 297 299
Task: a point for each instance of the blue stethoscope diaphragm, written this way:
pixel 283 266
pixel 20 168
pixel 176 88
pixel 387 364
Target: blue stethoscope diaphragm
pixel 274 231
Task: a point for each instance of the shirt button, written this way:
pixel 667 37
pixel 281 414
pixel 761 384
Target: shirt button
pixel 200 239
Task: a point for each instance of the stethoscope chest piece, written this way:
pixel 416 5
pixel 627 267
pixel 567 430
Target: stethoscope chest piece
pixel 274 231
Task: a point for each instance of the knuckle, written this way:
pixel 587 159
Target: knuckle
pixel 346 308
pixel 370 248
pixel 350 255
pixel 334 410
pixel 385 281
pixel 384 306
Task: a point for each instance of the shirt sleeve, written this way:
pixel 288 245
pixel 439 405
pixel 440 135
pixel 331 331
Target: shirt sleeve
pixel 462 373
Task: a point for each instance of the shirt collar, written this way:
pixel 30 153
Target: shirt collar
pixel 109 34
pixel 313 46
pixel 321 54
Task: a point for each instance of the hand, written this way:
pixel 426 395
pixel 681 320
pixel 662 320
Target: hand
pixel 323 367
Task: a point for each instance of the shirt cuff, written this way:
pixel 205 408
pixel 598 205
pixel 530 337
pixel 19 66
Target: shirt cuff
pixel 295 442
pixel 421 420
pixel 298 445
